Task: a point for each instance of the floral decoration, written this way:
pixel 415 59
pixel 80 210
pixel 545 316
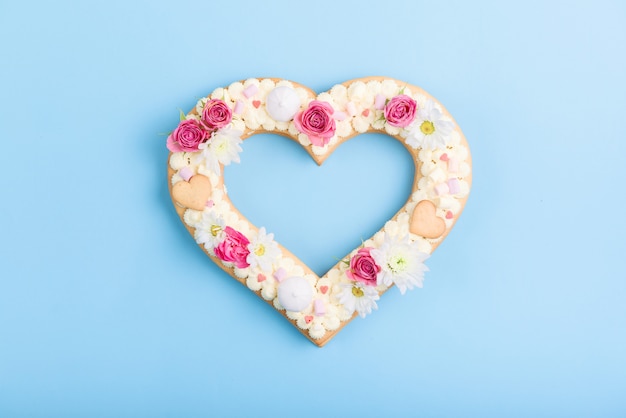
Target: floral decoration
pixel 430 130
pixel 216 114
pixel 234 248
pixel 187 136
pixel 212 135
pixel 224 148
pixel 264 251
pixel 401 261
pixel 210 230
pixel 356 296
pixel 400 111
pixel 363 267
pixel 317 122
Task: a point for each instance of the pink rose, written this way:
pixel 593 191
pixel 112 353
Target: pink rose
pixel 363 268
pixel 316 122
pixel 187 136
pixel 234 248
pixel 400 111
pixel 216 114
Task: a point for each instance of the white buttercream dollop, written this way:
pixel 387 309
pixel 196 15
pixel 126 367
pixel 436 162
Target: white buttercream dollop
pixel 253 283
pixel 301 321
pixel 268 292
pixel 332 322
pixel 317 331
pixel 283 103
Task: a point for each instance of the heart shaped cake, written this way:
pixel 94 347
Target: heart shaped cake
pixel 210 137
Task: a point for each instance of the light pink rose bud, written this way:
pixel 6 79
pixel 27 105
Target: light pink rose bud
pixel 316 122
pixel 216 114
pixel 400 111
pixel 363 268
pixel 187 136
pixel 234 248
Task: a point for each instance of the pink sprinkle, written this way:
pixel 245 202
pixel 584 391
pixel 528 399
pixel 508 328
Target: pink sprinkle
pixel 185 173
pixel 308 319
pixel 238 107
pixel 280 274
pixel 339 115
pixel 366 112
pixel 444 157
pixel 449 215
pixel 250 91
pixel 351 108
pixel 379 102
pixel 261 278
pixel 442 189
pixel 453 165
pixel 319 307
pixel 454 185
pixel 210 203
pixel 324 289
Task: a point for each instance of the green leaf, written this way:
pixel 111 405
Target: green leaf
pixel 182 115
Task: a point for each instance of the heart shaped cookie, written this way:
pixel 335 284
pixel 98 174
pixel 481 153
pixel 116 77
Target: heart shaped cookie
pixel 210 136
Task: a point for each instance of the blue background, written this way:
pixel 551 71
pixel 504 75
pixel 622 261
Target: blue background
pixel 108 307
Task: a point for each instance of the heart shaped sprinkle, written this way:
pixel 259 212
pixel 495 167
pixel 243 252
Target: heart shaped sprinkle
pixel 210 136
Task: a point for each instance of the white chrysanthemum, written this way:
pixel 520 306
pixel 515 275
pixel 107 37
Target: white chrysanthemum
pixel 210 229
pixel 223 148
pixel 264 251
pixel 401 261
pixel 430 129
pixel 355 296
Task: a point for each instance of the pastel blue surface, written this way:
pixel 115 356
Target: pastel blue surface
pixel 109 309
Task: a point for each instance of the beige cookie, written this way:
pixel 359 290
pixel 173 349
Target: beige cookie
pixel 425 222
pixel 192 194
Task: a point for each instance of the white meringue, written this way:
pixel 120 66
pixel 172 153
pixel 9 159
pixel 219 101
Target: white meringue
pixel 283 103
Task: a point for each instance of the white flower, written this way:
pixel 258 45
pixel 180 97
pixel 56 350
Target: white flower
pixel 264 251
pixel 430 130
pixel 356 296
pixel 210 229
pixel 401 261
pixel 223 148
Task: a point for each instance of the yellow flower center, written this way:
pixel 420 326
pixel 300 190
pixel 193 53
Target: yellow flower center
pixel 397 264
pixel 357 292
pixel 215 229
pixel 260 250
pixel 427 127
